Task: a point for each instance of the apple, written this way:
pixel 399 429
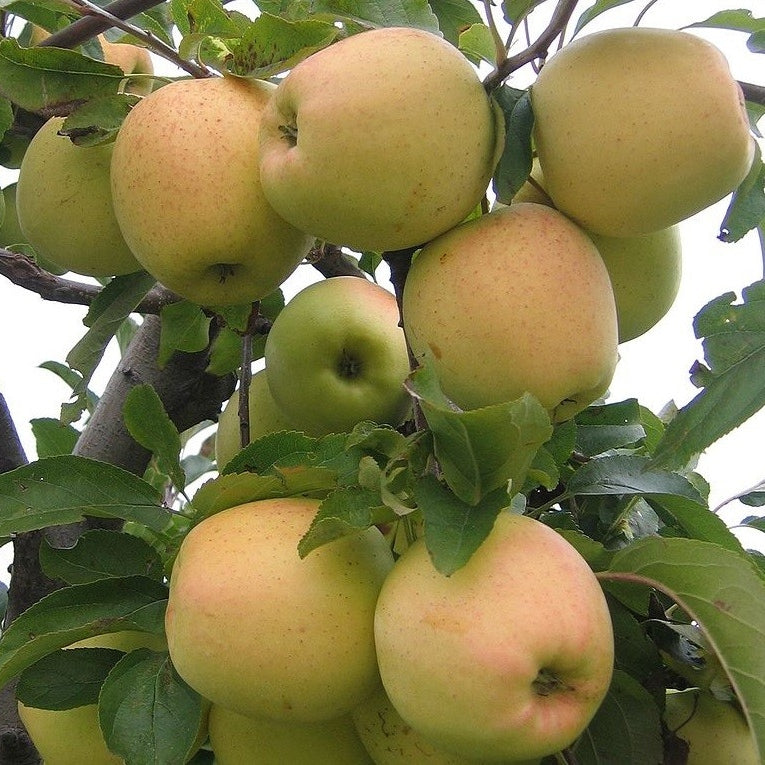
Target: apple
pixel 715 731
pixel 509 657
pixel 391 741
pixel 132 59
pixel 638 129
pixel 645 273
pixel 265 418
pixel 187 195
pixel 240 740
pixel 380 141
pixel 336 355
pixel 73 736
pixel 64 205
pixel 518 300
pixel 254 628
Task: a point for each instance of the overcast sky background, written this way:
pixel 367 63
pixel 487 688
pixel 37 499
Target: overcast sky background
pixel 653 368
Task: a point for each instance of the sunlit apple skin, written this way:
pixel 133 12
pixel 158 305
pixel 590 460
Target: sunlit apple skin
pixel 336 355
pixel 73 736
pixel 411 155
pixel 639 128
pixel 240 740
pixel 391 741
pixel 187 195
pixel 265 418
pixel 64 205
pixel 518 300
pixel 715 731
pixel 509 657
pixel 645 275
pixel 254 628
pixel 132 59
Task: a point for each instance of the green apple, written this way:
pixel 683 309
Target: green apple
pixel 380 141
pixel 64 205
pixel 509 657
pixel 391 741
pixel 187 194
pixel 336 355
pixel 254 628
pixel 518 300
pixel 73 736
pixel 240 740
pixel 638 129
pixel 645 273
pixel 265 417
pixel 715 731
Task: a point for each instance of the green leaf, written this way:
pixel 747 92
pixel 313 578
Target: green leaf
pixel 65 489
pixel 225 353
pixel 454 530
pixel 740 20
pixel 99 554
pixel 53 437
pixel 185 327
pixel 635 653
pixel 147 712
pixel 74 380
pixel 234 489
pixel 626 728
pixel 150 425
pixel 734 382
pixel 6 116
pixel 454 16
pixel 52 80
pixel 271 44
pixel 477 43
pixel 381 13
pixel 203 16
pixel 482 449
pixel 66 678
pixel 600 428
pixel 514 165
pixel 98 120
pixel 601 6
pixel 720 590
pixel 747 206
pixel 516 10
pixel 81 611
pixel 345 511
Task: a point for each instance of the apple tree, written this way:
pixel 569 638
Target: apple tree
pixel 488 198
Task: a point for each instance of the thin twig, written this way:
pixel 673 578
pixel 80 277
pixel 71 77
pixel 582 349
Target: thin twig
pixel 642 13
pixel 195 70
pixel 499 45
pixel 537 49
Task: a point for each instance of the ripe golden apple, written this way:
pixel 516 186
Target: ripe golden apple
pixel 509 657
pixel 73 736
pixel 517 300
pixel 240 740
pixel 380 141
pixel 256 629
pixel 639 128
pixel 336 355
pixel 187 194
pixel 645 273
pixel 265 418
pixel 132 59
pixel 64 204
pixel 715 731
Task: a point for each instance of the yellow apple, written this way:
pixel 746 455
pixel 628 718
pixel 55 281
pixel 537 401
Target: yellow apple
pixel 187 194
pixel 715 731
pixel 645 273
pixel 132 59
pixel 380 141
pixel 265 418
pixel 391 741
pixel 336 355
pixel 256 629
pixel 240 740
pixel 73 736
pixel 639 128
pixel 515 301
pixel 509 657
pixel 64 205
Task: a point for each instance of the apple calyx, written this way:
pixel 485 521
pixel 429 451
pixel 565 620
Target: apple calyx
pixel 349 367
pixel 289 133
pixel 224 271
pixel 546 683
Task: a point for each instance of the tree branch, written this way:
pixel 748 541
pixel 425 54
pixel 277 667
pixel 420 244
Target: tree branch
pixel 538 49
pixel 330 260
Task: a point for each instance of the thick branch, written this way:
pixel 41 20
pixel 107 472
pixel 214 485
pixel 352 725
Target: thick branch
pixel 538 49
pixel 24 272
pixel 330 260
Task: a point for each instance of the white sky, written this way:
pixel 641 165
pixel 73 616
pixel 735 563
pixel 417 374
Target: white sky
pixel 653 368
